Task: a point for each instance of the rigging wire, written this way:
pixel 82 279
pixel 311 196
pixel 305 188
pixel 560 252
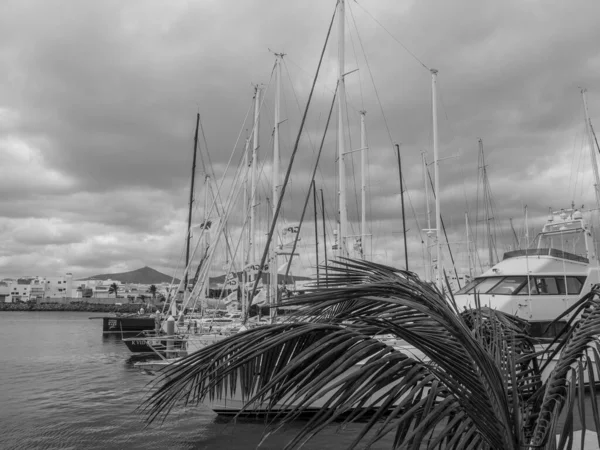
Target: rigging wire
pixel 312 144
pixel 214 203
pixel 362 100
pixel 293 155
pixel 353 168
pixel 372 79
pixel 308 135
pixel 572 164
pixel 467 212
pixel 394 37
pixel 304 244
pixel 368 177
pixel 376 90
pixel 297 235
pixel 230 198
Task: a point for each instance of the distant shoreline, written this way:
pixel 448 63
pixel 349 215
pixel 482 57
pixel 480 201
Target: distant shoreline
pixel 75 306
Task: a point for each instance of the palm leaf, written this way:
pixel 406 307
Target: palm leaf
pixel 475 382
pixel 576 350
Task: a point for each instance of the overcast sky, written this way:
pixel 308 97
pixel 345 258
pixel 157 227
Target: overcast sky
pixel 98 102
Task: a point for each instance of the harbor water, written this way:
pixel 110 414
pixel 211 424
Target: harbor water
pixel 66 386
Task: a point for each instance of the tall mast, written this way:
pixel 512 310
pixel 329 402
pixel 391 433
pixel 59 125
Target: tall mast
pixel 314 189
pixel 512 227
pixel 324 233
pixel 257 92
pixel 191 204
pixel 588 129
pixel 428 274
pixel 245 234
pixel 205 232
pixel 402 203
pixel 275 177
pixel 468 247
pixel 436 166
pixel 363 188
pixel 486 205
pixel 342 248
pixel 426 182
pixel 526 227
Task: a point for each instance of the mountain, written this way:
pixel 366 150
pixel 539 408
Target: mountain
pixel 265 278
pixel 145 275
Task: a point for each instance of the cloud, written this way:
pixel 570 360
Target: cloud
pixel 98 103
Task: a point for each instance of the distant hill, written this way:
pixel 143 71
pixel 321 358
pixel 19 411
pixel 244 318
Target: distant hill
pixel 265 278
pixel 145 275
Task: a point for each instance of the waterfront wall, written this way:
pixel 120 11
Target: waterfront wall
pixel 71 305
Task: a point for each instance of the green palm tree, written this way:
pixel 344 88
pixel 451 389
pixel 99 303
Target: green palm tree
pixel 113 289
pixel 475 382
pixel 153 291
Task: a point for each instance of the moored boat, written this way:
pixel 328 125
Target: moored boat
pixel 127 323
pixel 541 282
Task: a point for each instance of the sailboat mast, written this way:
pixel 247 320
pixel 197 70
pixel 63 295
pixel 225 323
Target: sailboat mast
pixel 468 247
pixel 426 183
pixel 512 227
pixel 342 248
pixel 257 93
pixel 275 177
pixel 526 227
pixel 436 166
pixel 205 232
pixel 363 188
pixel 428 274
pixel 486 205
pixel 402 204
pixel 314 190
pixel 588 130
pixel 324 233
pixel 245 234
pixel 191 204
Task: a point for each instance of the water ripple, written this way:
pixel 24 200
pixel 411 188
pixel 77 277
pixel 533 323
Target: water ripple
pixel 64 386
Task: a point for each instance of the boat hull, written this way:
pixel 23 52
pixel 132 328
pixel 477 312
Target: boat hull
pixel 127 324
pixel 152 344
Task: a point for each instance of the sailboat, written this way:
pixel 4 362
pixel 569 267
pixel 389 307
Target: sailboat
pixel 235 404
pixel 149 341
pixel 206 330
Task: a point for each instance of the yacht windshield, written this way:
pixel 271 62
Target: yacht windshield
pixel 469 287
pixel 520 285
pixel 508 286
pixel 570 241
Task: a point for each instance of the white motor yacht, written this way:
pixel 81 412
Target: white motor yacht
pixel 539 283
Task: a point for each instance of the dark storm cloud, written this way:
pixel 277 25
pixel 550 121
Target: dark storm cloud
pixel 98 104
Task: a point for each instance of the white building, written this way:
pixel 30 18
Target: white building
pixel 4 292
pixel 38 288
pixel 18 291
pixel 51 287
pixel 95 288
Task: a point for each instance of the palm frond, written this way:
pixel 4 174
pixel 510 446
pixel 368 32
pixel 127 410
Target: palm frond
pixel 577 350
pixel 475 380
pixel 400 304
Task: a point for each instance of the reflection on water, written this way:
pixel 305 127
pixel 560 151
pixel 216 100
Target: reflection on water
pixel 66 386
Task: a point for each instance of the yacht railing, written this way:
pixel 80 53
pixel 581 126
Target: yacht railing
pixel 546 252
